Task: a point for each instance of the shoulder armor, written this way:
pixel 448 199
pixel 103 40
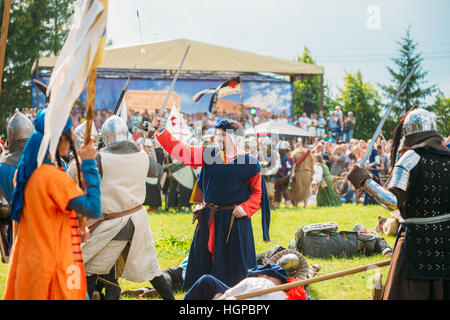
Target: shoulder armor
pixel 400 173
pixel 408 160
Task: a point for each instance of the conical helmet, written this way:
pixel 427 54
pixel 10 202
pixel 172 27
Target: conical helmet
pixel 114 129
pixel 19 127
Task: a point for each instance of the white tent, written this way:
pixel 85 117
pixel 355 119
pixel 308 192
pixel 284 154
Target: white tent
pixel 278 127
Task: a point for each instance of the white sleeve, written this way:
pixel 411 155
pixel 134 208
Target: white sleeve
pixel 318 174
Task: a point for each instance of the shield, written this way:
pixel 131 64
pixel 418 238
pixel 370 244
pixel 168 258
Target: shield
pixel 182 174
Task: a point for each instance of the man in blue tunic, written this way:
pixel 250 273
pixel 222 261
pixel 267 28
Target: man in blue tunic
pixel 233 190
pixel 19 129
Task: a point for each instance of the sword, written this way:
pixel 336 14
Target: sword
pixel 380 125
pixel 172 85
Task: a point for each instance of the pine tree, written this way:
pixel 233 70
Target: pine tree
pixel 415 90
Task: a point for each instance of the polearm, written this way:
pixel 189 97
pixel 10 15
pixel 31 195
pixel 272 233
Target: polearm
pixel 122 94
pixel 383 120
pixel 172 85
pixel 303 283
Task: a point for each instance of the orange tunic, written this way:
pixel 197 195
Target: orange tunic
pixel 46 261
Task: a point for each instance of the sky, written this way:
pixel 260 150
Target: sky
pixel 344 35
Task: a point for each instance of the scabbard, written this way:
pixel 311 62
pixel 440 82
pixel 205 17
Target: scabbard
pixel 229 229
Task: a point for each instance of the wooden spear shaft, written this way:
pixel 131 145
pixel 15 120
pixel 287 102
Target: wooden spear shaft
pixel 3 37
pixel 303 283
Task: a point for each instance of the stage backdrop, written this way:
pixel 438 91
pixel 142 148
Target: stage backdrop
pixel 270 95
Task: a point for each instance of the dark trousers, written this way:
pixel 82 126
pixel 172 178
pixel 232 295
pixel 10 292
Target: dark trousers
pixel 205 288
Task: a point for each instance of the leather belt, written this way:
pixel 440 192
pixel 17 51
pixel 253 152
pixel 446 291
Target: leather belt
pixel 112 216
pixel 213 208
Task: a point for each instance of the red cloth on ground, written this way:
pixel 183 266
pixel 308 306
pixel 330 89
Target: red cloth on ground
pixel 297 293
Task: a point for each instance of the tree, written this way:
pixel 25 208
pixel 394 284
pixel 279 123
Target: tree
pixel 308 88
pixel 441 108
pixel 415 91
pixel 363 100
pixel 37 28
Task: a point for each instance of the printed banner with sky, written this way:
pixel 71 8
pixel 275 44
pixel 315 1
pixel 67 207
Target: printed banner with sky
pixel 271 96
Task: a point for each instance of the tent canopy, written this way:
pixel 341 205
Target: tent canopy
pixel 278 127
pixel 166 55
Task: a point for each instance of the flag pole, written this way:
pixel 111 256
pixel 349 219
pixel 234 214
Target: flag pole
pixel 3 37
pixel 91 101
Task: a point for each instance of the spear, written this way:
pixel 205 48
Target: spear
pixel 303 283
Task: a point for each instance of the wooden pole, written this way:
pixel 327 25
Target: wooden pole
pixel 3 37
pixel 303 283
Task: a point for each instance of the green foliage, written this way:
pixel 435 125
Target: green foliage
pixel 363 100
pixel 415 91
pixel 173 245
pixel 309 88
pixel 37 28
pixel 441 108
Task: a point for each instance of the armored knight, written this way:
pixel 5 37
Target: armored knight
pixel 19 129
pixel 419 188
pixel 121 243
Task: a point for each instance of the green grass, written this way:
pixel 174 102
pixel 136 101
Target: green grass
pixel 173 232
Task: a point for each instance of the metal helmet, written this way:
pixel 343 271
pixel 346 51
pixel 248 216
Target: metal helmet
pixel 419 120
pixel 19 127
pixel 79 133
pixel 290 262
pixel 114 129
pixel 284 145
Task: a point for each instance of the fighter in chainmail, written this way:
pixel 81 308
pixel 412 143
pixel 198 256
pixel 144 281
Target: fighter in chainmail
pixel 19 129
pixel 419 187
pixel 122 237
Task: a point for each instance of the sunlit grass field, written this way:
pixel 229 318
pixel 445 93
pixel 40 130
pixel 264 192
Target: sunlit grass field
pixel 172 232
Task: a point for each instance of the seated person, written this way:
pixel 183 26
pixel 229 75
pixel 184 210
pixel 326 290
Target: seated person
pixel 344 190
pixel 260 277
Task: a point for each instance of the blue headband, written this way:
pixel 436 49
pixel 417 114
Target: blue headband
pixel 28 163
pixel 271 270
pixel 225 126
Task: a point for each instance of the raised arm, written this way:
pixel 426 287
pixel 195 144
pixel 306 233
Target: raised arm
pixel 186 154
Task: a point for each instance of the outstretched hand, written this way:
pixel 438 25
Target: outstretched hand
pixel 157 123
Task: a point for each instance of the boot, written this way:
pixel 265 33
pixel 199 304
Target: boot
pixel 163 288
pixel 377 291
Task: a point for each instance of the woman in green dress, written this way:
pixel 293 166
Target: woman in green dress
pixel 326 191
